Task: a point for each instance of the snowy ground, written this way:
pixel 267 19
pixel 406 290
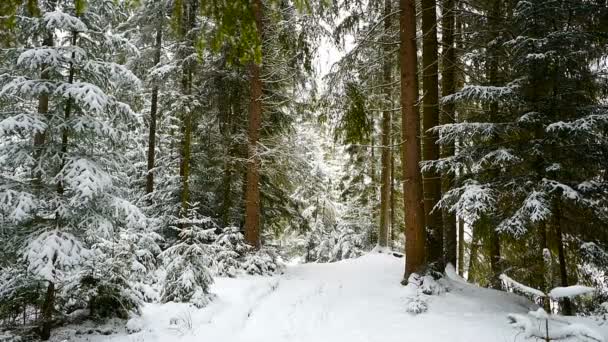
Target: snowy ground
pixel 354 300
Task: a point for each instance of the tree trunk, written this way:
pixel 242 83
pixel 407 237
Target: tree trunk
pixel 461 247
pixel 43 109
pixel 430 150
pixel 448 116
pixel 473 250
pixel 415 252
pixel 495 259
pixel 189 15
pixel 153 111
pixel 66 115
pixel 546 268
pixel 386 185
pixel 493 78
pixel 47 312
pixel 393 233
pixel 566 305
pixel 252 193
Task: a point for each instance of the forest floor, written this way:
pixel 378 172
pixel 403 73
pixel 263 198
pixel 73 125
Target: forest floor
pixel 357 300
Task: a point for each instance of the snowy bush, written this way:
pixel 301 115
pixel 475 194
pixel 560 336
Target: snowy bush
pixel 230 249
pixel 416 305
pixel 187 262
pixel 334 245
pixel 265 261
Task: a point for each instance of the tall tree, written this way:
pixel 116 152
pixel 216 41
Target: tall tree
pixel 430 119
pixel 415 252
pixel 448 116
pixel 385 178
pixel 252 192
pixel 158 45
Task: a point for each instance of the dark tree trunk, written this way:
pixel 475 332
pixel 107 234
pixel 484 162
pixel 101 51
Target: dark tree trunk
pixel 189 15
pixel 385 184
pixel 473 251
pixel 48 306
pixel 154 111
pixel 430 149
pixel 566 305
pixel 461 247
pixel 252 191
pixel 493 78
pixel 67 112
pixel 415 251
pixel 448 116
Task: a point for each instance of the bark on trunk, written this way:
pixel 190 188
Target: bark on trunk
pixel 252 193
pixel 47 312
pixel 566 305
pixel 43 109
pixel 461 247
pixel 154 111
pixel 493 77
pixel 67 113
pixel 473 251
pixel 430 150
pixel 448 116
pixel 386 185
pixel 189 15
pixel 415 252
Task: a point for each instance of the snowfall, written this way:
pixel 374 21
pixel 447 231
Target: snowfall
pixel 352 300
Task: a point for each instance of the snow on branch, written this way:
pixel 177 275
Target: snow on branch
pixel 86 178
pixel 16 205
pixel 469 201
pixel 86 94
pixel 570 291
pixel 567 192
pixel 510 283
pixel 481 93
pixel 498 158
pixel 58 20
pixel 52 253
pixel 21 122
pixel 535 208
pixel 21 86
pixel 586 125
pixel 484 131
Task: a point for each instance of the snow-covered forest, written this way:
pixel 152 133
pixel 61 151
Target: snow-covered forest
pixel 303 170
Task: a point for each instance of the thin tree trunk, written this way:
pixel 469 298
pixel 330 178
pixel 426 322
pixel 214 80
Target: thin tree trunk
pixel 566 305
pixel 415 252
pixel 448 116
pixel 48 306
pixel 252 193
pixel 473 251
pixel 495 25
pixel 67 113
pixel 393 233
pixel 154 111
pixel 386 184
pixel 545 264
pixel 461 247
pixel 43 109
pixel 189 14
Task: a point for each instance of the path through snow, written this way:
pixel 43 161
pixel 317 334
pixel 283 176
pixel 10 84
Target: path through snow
pixel 357 300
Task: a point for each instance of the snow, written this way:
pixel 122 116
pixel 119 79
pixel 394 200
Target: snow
pixel 570 291
pixel 521 287
pixel 355 300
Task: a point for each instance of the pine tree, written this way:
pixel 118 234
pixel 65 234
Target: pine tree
pixel 415 251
